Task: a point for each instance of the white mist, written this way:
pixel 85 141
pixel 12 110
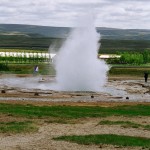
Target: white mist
pixel 77 66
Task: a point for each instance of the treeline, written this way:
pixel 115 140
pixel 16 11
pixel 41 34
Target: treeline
pixel 135 58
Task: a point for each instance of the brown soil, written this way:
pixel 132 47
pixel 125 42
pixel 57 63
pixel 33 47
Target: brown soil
pixel 69 103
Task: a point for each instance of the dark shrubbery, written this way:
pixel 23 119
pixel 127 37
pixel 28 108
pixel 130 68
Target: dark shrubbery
pixel 135 58
pixel 4 67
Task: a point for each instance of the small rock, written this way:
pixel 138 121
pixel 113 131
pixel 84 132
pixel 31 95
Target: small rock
pixel 36 94
pixel 92 96
pixel 3 91
pixel 127 97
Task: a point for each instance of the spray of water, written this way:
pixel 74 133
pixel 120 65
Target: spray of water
pixel 77 66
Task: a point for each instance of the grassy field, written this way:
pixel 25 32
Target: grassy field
pixel 48 69
pixel 26 42
pixel 44 69
pixel 73 112
pixel 137 71
pixel 108 46
pixel 67 114
pixel 28 118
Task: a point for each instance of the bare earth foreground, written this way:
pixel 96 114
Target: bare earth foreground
pixel 126 92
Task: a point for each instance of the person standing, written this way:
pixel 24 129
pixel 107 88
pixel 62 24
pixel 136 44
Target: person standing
pixel 36 70
pixel 146 76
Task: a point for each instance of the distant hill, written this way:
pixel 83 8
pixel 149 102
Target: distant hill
pixel 43 37
pixel 62 32
pixel 33 30
pixel 124 34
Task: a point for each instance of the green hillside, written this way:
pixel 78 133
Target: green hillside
pixel 28 42
pixel 41 37
pixel 40 31
pixel 124 34
pixel 62 32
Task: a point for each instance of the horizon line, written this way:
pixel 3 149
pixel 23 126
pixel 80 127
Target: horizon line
pixel 74 26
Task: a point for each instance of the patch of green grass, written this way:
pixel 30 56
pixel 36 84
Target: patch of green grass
pixel 107 139
pixel 60 121
pixel 17 127
pixel 125 124
pixel 147 127
pixel 73 112
pixel 122 123
pixel 128 70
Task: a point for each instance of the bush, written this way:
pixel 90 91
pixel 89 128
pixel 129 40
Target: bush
pixel 134 58
pixel 4 67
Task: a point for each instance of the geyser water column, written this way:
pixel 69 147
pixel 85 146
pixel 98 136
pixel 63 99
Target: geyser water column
pixel 77 65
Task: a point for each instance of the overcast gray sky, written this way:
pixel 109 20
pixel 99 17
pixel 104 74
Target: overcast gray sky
pixel 108 13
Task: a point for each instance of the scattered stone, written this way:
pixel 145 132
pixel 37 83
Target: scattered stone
pixel 127 97
pixel 118 97
pixel 78 95
pixel 3 91
pixel 36 94
pixel 92 96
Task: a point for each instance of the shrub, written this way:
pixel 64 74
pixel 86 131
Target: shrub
pixel 4 67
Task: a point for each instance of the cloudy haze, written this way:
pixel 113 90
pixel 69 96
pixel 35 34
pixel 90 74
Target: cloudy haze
pixel 108 13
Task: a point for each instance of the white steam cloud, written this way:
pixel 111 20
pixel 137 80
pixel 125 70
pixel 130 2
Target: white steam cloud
pixel 77 65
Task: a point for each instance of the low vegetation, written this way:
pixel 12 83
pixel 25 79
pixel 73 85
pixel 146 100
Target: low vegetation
pixel 129 71
pixel 48 69
pixel 21 50
pixel 125 124
pixel 44 69
pixel 31 42
pixel 17 127
pixel 112 139
pixel 113 46
pixel 73 112
pixel 131 58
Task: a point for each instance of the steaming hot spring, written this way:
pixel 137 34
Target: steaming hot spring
pixel 80 75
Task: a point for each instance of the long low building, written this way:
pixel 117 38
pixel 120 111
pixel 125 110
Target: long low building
pixel 48 55
pixel 107 56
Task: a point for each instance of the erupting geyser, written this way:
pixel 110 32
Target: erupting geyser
pixel 77 65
